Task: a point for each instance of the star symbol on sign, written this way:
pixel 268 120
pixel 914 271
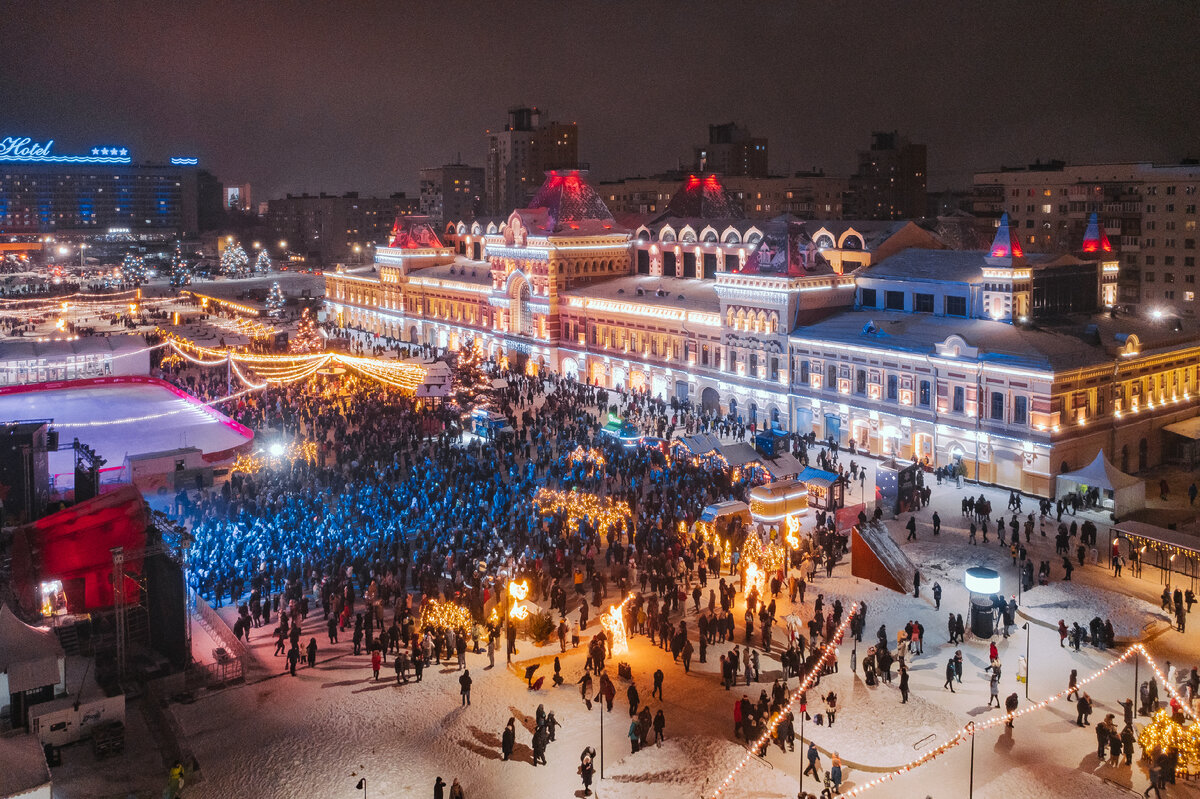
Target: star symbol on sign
pixel 95 151
pixel 104 151
pixel 124 151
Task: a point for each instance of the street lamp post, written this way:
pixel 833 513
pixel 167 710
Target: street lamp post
pixel 1028 634
pixel 362 786
pixel 803 713
pixel 971 784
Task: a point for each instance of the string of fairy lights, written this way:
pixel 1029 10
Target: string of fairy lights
pixel 1162 734
pixel 828 651
pixel 603 512
pixel 281 369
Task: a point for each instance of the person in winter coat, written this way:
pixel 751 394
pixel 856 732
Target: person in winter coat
pixel 376 662
pixel 1072 684
pixel 949 675
pixel 634 736
pixel 1010 707
pixel 903 685
pixel 835 773
pixel 994 684
pixel 456 790
pixel 508 739
pixel 540 737
pixel 830 707
pixel 552 724
pixel 586 771
pixel 660 723
pixel 634 699
pixel 465 687
pixel 814 761
pixel 439 788
pixel 1083 708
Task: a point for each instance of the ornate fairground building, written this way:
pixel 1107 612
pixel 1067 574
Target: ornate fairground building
pixel 1015 367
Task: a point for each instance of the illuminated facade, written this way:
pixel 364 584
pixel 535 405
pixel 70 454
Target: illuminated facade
pixel 930 366
pixel 867 331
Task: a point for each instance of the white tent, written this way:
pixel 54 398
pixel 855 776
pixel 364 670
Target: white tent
pixel 30 658
pixel 1122 493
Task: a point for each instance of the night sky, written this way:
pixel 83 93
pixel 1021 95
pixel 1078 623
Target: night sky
pixel 344 96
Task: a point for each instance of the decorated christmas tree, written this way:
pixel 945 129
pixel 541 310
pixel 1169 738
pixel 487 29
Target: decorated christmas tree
pixel 307 339
pixel 133 269
pixel 234 260
pixel 263 262
pixel 181 273
pixel 275 300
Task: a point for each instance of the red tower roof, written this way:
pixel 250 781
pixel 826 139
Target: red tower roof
pixel 1005 245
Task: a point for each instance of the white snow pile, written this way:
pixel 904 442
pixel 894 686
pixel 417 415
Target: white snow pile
pixel 1048 780
pixel 1132 617
pixel 693 766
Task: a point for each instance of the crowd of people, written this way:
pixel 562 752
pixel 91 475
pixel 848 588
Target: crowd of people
pixel 394 506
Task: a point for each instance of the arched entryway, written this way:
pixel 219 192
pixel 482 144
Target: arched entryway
pixel 710 400
pixel 618 378
pixel 522 317
pixel 658 387
pixel 570 368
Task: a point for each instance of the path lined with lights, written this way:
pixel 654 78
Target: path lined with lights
pixel 967 731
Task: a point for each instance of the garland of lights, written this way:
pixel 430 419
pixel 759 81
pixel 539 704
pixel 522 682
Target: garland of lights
pixel 591 457
pixel 605 513
pixel 436 614
pixel 968 730
pixel 291 368
pixel 764 739
pixel 57 301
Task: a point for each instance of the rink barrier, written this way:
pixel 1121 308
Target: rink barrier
pixel 145 380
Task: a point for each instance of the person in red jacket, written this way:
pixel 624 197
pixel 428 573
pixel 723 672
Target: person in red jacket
pixel 376 662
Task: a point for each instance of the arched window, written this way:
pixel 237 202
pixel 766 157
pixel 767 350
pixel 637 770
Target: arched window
pixel 710 237
pixel 733 237
pixel 825 241
pixel 852 242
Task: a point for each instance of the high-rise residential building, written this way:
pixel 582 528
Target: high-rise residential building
pixel 891 179
pixel 97 192
pixel 520 154
pixel 1147 211
pixel 329 227
pixel 732 152
pixel 452 191
pixel 807 195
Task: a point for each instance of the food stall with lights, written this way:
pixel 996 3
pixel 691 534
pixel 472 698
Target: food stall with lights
pixel 772 503
pixel 825 490
pixel 1173 553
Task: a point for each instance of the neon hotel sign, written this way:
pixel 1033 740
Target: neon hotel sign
pixel 25 150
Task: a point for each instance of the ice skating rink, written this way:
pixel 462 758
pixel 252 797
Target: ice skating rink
pixel 119 420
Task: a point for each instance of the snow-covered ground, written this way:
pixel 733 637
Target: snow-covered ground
pixel 1133 617
pixel 684 767
pixel 132 419
pixel 316 734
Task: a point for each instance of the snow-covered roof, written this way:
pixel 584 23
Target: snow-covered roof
pixel 25 767
pixel 1069 341
pixel 566 202
pixel 27 654
pixel 16 349
pixel 669 292
pixel 462 270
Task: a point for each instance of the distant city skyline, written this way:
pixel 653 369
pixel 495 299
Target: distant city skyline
pixel 290 99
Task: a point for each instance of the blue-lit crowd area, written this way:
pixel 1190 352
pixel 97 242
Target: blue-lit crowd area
pixel 396 496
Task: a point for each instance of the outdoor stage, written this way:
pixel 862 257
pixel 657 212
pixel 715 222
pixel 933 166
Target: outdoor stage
pixel 121 416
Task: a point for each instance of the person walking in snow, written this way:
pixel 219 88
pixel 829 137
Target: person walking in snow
pixel 465 687
pixel 508 739
pixel 949 676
